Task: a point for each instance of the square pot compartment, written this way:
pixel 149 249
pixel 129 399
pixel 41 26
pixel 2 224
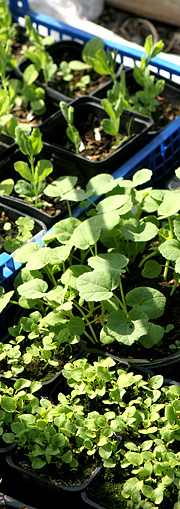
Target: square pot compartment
pixel 69 50
pixel 90 106
pixel 60 168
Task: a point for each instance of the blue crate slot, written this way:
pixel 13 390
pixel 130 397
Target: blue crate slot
pixel 8 270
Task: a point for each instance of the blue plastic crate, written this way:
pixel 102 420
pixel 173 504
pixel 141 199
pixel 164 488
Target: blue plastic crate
pixel 162 155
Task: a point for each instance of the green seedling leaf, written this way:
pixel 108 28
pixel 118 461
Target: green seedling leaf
pixel 6 187
pixel 34 289
pixel 151 269
pixel 168 206
pixel 43 169
pixel 140 233
pixel 69 278
pixel 109 261
pixel 76 195
pixel 86 234
pixel 8 404
pixel 112 203
pixel 29 145
pixel 153 337
pixel 25 253
pixel 141 177
pixel 63 230
pixel 4 298
pixel 150 301
pixel 127 329
pixel 23 169
pixel 170 249
pixel 91 47
pixel 61 186
pixel 97 285
pixel 76 326
pixel 177 265
pixel 103 181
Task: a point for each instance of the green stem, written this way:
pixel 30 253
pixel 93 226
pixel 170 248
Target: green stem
pixel 31 160
pixel 154 253
pixel 173 288
pixel 69 208
pixel 50 275
pixel 171 227
pixel 166 270
pixel 88 323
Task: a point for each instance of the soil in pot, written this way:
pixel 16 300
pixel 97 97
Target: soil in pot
pixel 105 491
pixel 66 51
pixel 19 43
pixel 97 150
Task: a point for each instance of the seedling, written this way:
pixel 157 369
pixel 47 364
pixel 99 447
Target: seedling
pixel 24 227
pixel 41 59
pixel 67 70
pixel 71 131
pixel 34 175
pixel 112 125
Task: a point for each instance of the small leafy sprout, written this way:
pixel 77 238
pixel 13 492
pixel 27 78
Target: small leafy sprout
pixel 34 175
pixel 112 125
pixel 67 70
pixel 145 101
pixel 41 59
pixel 72 132
pixel 24 226
pixel 102 62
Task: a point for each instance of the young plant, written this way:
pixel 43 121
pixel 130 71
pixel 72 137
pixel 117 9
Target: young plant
pixel 71 131
pixel 103 62
pixel 11 242
pixel 112 125
pixel 146 100
pixel 66 71
pixel 40 58
pixel 34 175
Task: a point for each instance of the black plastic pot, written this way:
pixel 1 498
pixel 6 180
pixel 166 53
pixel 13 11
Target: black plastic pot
pixel 60 168
pixel 7 146
pixel 6 281
pixel 83 107
pixel 67 50
pixel 36 490
pixel 48 386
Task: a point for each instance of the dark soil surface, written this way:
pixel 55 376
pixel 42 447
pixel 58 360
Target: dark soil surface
pixel 135 29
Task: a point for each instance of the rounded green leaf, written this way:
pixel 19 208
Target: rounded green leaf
pixel 112 203
pixel 147 299
pixel 86 234
pixel 170 249
pixel 8 404
pixel 34 289
pixel 76 326
pixel 60 186
pixel 141 177
pixel 97 285
pixel 109 261
pixel 151 269
pixel 127 329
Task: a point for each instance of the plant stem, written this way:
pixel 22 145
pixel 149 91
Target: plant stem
pixel 88 323
pixel 154 253
pixel 69 208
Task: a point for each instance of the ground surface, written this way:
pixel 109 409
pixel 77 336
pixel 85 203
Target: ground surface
pixel 135 29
